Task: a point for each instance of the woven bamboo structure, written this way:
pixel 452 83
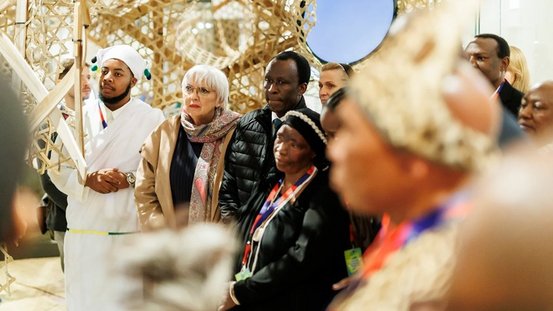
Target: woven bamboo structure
pixel 237 36
pixel 404 6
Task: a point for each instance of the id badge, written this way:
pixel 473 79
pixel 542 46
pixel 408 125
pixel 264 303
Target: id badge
pixel 354 259
pixel 243 274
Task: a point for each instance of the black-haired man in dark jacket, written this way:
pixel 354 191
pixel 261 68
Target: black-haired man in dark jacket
pixel 249 158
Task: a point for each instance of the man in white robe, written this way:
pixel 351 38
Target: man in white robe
pixel 101 213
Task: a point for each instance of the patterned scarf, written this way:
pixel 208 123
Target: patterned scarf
pixel 211 135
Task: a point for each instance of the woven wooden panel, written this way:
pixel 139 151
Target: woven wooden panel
pixel 48 28
pixel 5 69
pixel 38 153
pixel 49 37
pixel 276 26
pixel 238 37
pixel 404 6
pixel 7 17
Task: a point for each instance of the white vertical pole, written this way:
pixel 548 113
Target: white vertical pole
pixel 78 50
pixel 20 36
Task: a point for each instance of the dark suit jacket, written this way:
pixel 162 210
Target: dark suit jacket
pixel 510 130
pixel 510 98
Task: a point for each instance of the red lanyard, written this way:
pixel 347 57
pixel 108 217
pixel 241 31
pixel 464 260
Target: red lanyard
pixel 272 206
pixel 392 238
pixel 104 123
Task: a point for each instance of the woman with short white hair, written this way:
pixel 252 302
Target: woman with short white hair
pixel 179 175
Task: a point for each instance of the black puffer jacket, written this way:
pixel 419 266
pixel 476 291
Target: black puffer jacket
pixel 249 159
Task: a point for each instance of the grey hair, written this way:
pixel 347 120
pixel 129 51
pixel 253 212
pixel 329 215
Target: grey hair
pixel 209 77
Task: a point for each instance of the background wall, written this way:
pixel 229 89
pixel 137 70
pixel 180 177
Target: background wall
pixel 527 24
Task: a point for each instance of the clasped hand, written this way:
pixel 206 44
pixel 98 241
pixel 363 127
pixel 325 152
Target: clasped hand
pixel 106 180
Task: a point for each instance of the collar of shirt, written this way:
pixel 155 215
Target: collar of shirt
pixel 112 115
pixel 273 117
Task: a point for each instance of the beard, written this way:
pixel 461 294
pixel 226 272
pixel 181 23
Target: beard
pixel 115 99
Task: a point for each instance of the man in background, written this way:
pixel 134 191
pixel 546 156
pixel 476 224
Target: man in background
pixel 54 199
pixel 489 53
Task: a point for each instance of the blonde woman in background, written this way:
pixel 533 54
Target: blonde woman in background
pixel 517 72
pixel 333 77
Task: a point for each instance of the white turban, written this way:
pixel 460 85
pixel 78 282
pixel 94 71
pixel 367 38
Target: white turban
pixel 126 54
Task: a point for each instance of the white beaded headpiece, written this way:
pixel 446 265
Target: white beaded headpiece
pixel 307 120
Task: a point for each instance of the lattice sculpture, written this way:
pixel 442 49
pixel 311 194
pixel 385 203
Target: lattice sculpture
pixel 277 26
pixel 8 278
pixel 49 35
pixel 238 36
pixel 404 6
pixel 40 104
pixel 7 17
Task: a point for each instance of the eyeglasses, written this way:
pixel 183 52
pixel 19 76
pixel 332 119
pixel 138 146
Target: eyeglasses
pixel 202 91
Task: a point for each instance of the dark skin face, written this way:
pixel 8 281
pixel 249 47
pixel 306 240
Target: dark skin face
pixel 293 155
pixel 401 183
pixel 482 54
pixel 368 189
pixel 282 88
pixel 115 80
pixel 536 110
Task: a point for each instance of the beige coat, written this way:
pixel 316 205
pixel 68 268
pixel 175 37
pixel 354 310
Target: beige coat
pixel 153 187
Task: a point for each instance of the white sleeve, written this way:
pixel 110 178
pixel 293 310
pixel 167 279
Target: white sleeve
pixel 66 178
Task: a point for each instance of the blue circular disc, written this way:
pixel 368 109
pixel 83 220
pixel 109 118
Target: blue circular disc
pixel 347 31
